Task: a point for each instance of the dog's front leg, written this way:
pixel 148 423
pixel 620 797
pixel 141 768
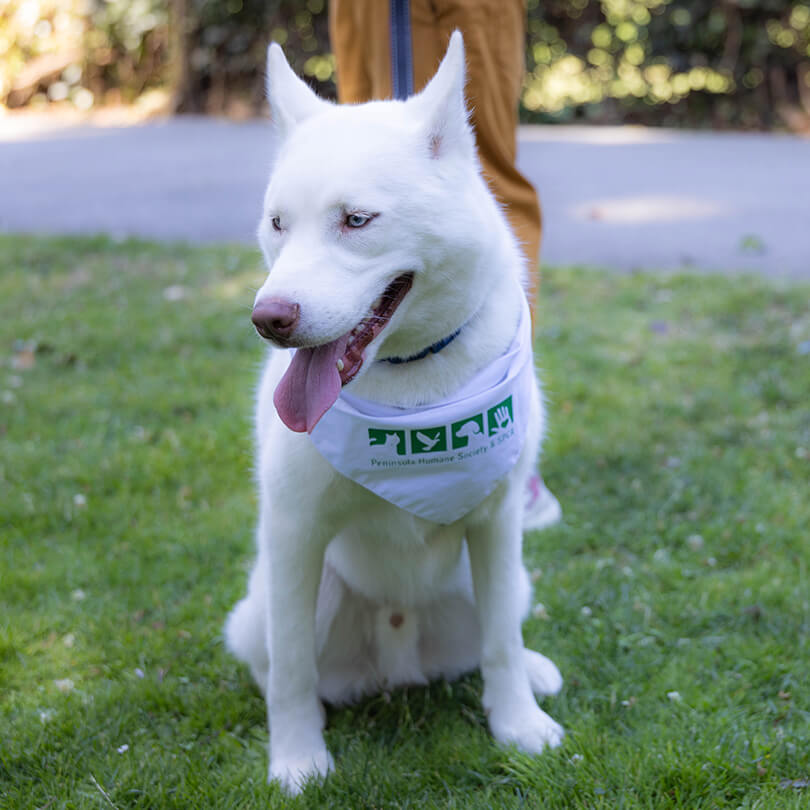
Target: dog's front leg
pixel 295 714
pixel 497 568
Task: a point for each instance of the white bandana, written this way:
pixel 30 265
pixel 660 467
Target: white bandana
pixel 439 461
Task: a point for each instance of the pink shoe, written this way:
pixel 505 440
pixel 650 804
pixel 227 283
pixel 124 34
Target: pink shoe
pixel 542 509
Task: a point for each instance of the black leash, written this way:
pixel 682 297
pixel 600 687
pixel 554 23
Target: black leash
pixel 402 84
pixel 401 51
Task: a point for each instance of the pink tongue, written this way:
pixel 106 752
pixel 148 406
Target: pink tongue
pixel 310 385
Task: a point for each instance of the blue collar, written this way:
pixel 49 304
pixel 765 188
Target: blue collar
pixel 433 349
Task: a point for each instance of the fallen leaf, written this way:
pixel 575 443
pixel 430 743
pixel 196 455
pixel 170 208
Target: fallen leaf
pixel 177 292
pixel 24 360
pixel 751 243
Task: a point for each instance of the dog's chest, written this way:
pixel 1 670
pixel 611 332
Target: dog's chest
pixel 391 556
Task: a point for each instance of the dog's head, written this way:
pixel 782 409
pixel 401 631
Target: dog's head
pixel 374 218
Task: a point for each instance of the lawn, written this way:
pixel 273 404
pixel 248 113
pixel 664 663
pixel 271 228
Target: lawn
pixel 674 597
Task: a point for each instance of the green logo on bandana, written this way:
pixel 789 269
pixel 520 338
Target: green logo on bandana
pixel 393 439
pixel 429 440
pixel 500 417
pixel 467 430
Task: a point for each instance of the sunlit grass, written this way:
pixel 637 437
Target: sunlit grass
pixel 676 590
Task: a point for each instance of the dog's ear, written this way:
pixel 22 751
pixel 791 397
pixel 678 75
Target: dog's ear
pixel 291 100
pixel 442 104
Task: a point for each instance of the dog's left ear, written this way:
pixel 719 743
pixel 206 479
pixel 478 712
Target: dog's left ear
pixel 442 106
pixel 291 100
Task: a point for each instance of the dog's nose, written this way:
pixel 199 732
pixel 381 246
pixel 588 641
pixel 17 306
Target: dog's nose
pixel 275 318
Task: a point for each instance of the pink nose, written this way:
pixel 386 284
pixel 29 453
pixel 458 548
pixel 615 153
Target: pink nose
pixel 275 318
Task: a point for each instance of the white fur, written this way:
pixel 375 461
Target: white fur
pixel 335 562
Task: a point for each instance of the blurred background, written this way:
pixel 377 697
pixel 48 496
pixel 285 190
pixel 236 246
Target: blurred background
pixel 733 64
pixel 660 134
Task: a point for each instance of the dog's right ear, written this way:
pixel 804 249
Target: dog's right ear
pixel 441 104
pixel 291 100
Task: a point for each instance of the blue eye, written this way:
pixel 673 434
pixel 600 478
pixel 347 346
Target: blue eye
pixel 357 220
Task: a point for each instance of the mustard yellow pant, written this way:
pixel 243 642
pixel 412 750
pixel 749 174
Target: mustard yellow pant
pixel 494 37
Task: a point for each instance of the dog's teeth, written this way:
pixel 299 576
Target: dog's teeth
pixel 340 365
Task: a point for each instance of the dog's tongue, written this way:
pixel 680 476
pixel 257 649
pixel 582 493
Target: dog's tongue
pixel 312 382
pixel 310 386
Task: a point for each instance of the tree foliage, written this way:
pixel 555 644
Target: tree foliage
pixel 84 52
pixel 740 63
pixel 734 63
pixel 223 47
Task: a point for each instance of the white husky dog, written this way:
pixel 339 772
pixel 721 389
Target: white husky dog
pixel 396 279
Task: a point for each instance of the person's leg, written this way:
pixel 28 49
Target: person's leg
pixel 360 36
pixel 494 37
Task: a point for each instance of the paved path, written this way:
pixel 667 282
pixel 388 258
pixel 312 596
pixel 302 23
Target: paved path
pixel 621 198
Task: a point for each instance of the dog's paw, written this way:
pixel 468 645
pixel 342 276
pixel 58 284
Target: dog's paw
pixel 544 677
pixel 527 727
pixel 292 773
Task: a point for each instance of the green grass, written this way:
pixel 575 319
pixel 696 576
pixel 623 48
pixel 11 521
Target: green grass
pixel 680 449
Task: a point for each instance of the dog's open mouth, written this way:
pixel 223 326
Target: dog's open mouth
pixel 315 376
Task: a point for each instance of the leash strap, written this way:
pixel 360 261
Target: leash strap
pixel 401 52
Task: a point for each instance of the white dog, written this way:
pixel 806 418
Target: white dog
pixel 395 442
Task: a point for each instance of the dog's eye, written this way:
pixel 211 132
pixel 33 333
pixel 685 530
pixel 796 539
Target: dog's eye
pixel 276 223
pixel 357 220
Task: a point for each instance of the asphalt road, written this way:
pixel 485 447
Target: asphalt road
pixel 622 198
